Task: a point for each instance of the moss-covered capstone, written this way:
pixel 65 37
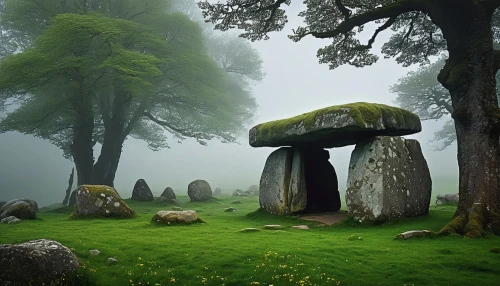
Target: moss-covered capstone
pixel 336 126
pixel 100 201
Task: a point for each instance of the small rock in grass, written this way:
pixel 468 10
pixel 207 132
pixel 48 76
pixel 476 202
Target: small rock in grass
pixel 354 237
pixel 413 233
pixel 10 220
pixel 230 210
pixel 112 260
pixel 495 250
pixel 249 229
pixel 300 226
pixel 177 208
pixel 235 202
pixel 273 226
pixel 94 252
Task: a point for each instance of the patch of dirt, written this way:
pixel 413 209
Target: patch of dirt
pixel 327 218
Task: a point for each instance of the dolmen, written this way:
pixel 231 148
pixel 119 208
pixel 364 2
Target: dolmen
pixel 388 175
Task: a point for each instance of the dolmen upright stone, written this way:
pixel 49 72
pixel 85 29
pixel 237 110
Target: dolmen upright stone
pixel 388 178
pixel 199 191
pixel 100 201
pixel 141 191
pixel 299 177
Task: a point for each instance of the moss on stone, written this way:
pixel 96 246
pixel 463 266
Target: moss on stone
pixel 365 115
pixel 102 192
pixel 454 226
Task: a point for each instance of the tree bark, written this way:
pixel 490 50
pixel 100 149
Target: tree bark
pixel 70 186
pixel 469 75
pixel 114 137
pixel 81 147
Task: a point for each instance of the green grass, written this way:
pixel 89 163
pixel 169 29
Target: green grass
pixel 215 253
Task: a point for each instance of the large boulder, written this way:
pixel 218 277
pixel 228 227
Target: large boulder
pixel 282 184
pixel 336 126
pixel 20 208
pixel 168 193
pixel 176 217
pixel 100 201
pixel 141 191
pixel 199 190
pixel 37 262
pixel 388 178
pixel 447 199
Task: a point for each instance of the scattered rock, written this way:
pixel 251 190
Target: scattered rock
pixel 238 192
pixel 236 202
pixel 253 189
pixel 447 199
pixel 94 252
pixel 495 250
pixel 230 210
pixel 413 233
pixel 273 226
pixel 10 220
pixel 20 208
pixel 300 226
pixel 162 199
pixel 336 126
pixel 176 217
pixel 282 183
pixel 217 191
pixel 249 229
pixel 100 201
pixel 176 202
pixel 141 191
pixel 354 237
pixel 177 208
pixel 199 190
pixel 112 260
pixel 37 262
pixel 388 178
pixel 168 193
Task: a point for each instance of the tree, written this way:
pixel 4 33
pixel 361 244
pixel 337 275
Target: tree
pixel 422 28
pixel 420 92
pixel 140 70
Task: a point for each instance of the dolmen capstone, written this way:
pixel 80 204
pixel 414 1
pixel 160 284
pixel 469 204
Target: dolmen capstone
pixel 299 176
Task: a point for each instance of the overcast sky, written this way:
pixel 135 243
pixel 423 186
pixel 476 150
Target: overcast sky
pixel 295 83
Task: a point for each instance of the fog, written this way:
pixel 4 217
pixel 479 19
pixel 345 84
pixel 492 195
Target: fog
pixel 295 83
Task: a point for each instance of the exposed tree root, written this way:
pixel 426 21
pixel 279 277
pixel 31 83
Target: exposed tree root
pixel 475 224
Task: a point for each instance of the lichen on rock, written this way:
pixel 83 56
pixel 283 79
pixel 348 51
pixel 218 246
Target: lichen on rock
pixel 100 201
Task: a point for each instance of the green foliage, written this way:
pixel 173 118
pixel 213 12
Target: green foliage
pixel 215 253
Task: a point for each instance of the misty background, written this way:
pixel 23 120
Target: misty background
pixel 295 83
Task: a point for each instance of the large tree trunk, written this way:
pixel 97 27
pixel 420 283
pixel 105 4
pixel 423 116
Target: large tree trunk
pixel 469 75
pixel 114 136
pixel 81 147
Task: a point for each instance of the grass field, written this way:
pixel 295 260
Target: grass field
pixel 215 253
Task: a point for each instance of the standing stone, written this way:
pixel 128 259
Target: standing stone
pixel 217 191
pixel 20 208
pixel 321 181
pixel 169 194
pixel 282 184
pixel 199 190
pixel 388 178
pixel 141 191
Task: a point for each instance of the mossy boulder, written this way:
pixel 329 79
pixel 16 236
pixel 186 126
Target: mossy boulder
pixel 336 126
pixel 199 191
pixel 20 208
pixel 176 217
pixel 100 201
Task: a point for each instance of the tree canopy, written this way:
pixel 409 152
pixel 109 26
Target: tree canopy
pixel 99 72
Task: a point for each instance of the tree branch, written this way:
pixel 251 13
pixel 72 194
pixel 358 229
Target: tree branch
pixel 379 29
pixel 168 126
pixel 346 12
pixel 390 11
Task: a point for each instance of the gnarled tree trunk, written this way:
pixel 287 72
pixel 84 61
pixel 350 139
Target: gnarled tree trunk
pixel 469 75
